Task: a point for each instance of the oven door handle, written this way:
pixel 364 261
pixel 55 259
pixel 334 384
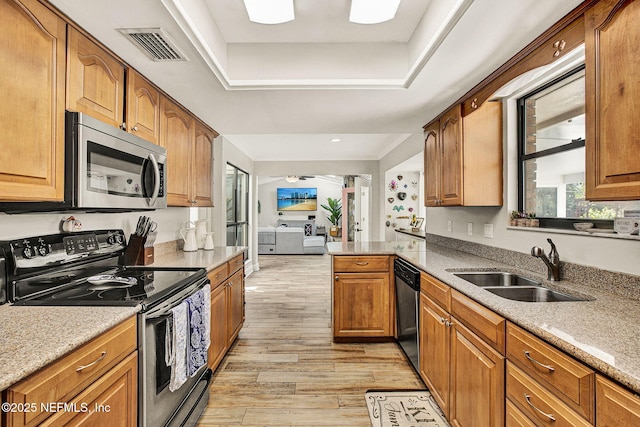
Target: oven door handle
pixel 165 309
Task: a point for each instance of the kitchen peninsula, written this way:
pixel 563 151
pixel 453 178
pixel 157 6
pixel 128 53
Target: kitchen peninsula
pixel 595 331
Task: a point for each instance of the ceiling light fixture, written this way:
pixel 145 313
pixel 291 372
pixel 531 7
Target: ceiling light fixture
pixel 373 11
pixel 335 140
pixel 270 11
pixel 291 179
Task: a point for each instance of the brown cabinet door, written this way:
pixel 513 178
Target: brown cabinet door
pixel 362 305
pixel 432 160
pixel 477 381
pixel 219 346
pixel 143 108
pixel 435 353
pixel 95 80
pixel 612 57
pixel 235 305
pixel 203 153
pixel 32 42
pixel 176 135
pixel 451 142
pixel 615 406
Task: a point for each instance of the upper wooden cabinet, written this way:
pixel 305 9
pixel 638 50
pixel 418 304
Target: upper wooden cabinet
pixel 612 51
pixel 202 165
pixel 32 42
pixel 177 136
pixel 143 107
pixel 463 158
pixel 95 80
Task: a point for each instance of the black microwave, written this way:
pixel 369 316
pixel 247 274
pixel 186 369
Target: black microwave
pixel 106 170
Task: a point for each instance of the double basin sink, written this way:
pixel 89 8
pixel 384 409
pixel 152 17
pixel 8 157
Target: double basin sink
pixel 514 287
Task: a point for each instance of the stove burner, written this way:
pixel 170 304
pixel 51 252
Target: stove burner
pixel 109 281
pixel 55 280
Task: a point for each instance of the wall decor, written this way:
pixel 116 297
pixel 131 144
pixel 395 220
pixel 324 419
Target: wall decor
pixel 410 209
pixel 414 184
pixel 393 186
pixel 402 195
pixel 390 199
pixel 400 177
pixel 398 208
pixel 414 197
pixel 388 223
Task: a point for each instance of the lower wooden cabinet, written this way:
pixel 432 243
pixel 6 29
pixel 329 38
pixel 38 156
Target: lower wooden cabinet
pixel 615 406
pixel 219 345
pixel 235 305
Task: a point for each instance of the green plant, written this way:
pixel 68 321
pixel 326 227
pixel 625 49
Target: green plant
pixel 515 214
pixel 334 208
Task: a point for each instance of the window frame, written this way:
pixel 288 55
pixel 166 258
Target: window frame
pixel 236 207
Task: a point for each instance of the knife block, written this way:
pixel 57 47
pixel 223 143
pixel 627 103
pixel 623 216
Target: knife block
pixel 136 253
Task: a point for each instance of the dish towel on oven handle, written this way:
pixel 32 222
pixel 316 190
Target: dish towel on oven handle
pixel 199 329
pixel 179 343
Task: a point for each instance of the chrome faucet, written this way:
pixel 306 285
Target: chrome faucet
pixel 552 262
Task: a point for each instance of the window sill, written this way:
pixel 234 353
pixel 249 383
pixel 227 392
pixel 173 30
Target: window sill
pixel 576 233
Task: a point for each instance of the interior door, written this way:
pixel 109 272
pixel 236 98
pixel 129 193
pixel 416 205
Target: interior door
pixel 362 211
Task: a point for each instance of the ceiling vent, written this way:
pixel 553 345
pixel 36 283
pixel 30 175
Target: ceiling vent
pixel 155 43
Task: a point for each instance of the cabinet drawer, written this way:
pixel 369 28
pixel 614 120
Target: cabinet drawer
pixel 235 264
pixel 481 320
pixel 355 264
pixel 515 418
pixel 217 275
pixel 569 380
pixel 64 378
pixel 539 404
pixel 436 290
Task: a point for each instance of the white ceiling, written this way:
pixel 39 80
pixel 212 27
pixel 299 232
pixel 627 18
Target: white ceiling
pixel 282 92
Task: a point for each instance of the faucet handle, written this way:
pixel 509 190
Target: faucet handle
pixel 554 251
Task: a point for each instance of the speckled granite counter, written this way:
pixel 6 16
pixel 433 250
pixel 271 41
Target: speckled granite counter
pixel 602 332
pixel 32 337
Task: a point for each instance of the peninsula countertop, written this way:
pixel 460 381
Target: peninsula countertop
pixel 601 332
pixel 31 337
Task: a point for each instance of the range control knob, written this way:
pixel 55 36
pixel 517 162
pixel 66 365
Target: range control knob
pixel 44 249
pixel 28 252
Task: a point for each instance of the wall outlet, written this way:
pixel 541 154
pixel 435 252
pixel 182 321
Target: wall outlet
pixel 488 231
pixel 449 226
pixel 470 228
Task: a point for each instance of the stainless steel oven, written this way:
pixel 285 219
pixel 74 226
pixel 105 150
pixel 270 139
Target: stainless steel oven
pixel 106 169
pixel 83 269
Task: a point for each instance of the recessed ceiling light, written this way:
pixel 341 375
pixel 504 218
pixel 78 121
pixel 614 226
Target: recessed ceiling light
pixel 335 140
pixel 270 11
pixel 373 11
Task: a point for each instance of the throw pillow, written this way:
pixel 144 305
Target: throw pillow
pixel 308 230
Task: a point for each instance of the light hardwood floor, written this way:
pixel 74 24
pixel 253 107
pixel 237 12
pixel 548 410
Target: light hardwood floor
pixel 285 370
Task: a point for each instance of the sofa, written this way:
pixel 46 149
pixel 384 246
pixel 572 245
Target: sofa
pixel 290 237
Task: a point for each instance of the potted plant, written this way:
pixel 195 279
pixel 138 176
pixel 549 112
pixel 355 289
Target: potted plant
pixel 334 208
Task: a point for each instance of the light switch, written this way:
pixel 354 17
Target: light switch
pixel 470 228
pixel 449 226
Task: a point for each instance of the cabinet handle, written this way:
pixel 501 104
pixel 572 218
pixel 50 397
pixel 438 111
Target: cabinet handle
pixel 362 263
pixel 528 399
pixel 98 360
pixel 337 278
pixel 135 128
pixel 559 46
pixel 447 323
pixel 532 360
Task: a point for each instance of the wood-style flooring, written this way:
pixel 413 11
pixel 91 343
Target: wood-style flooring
pixel 285 370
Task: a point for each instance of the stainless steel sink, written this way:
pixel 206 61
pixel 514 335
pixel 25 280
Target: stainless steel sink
pixel 532 294
pixel 496 278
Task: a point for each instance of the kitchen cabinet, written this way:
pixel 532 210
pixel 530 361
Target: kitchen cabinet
pixel 612 85
pixel 143 107
pixel 189 145
pixel 32 109
pixel 463 371
pixel 95 80
pixel 362 297
pixel 227 307
pixel 463 158
pixel 102 371
pixel 615 406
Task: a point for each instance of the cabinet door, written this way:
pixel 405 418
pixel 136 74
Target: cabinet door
pixel 143 108
pixel 612 57
pixel 235 305
pixel 32 42
pixel 451 142
pixel 362 305
pixel 203 153
pixel 435 354
pixel 176 135
pixel 432 160
pixel 95 80
pixel 110 401
pixel 477 381
pixel 615 406
pixel 218 347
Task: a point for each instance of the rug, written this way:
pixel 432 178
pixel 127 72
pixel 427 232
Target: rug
pixel 404 408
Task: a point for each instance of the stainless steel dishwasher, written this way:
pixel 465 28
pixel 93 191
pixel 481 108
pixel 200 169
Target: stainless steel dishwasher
pixel 407 279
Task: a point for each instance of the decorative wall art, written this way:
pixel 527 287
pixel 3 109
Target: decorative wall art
pixel 400 177
pixel 393 186
pixel 398 208
pixel 402 195
pixel 391 199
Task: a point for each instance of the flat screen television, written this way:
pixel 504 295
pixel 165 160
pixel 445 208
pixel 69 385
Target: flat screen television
pixel 297 199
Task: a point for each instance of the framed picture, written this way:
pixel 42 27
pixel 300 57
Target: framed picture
pixel 417 223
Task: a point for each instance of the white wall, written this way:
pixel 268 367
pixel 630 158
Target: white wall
pixel 410 185
pixel 267 196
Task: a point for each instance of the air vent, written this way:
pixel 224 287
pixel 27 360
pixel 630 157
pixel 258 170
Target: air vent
pixel 155 43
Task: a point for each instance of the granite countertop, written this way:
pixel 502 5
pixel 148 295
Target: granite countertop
pixel 601 332
pixel 33 336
